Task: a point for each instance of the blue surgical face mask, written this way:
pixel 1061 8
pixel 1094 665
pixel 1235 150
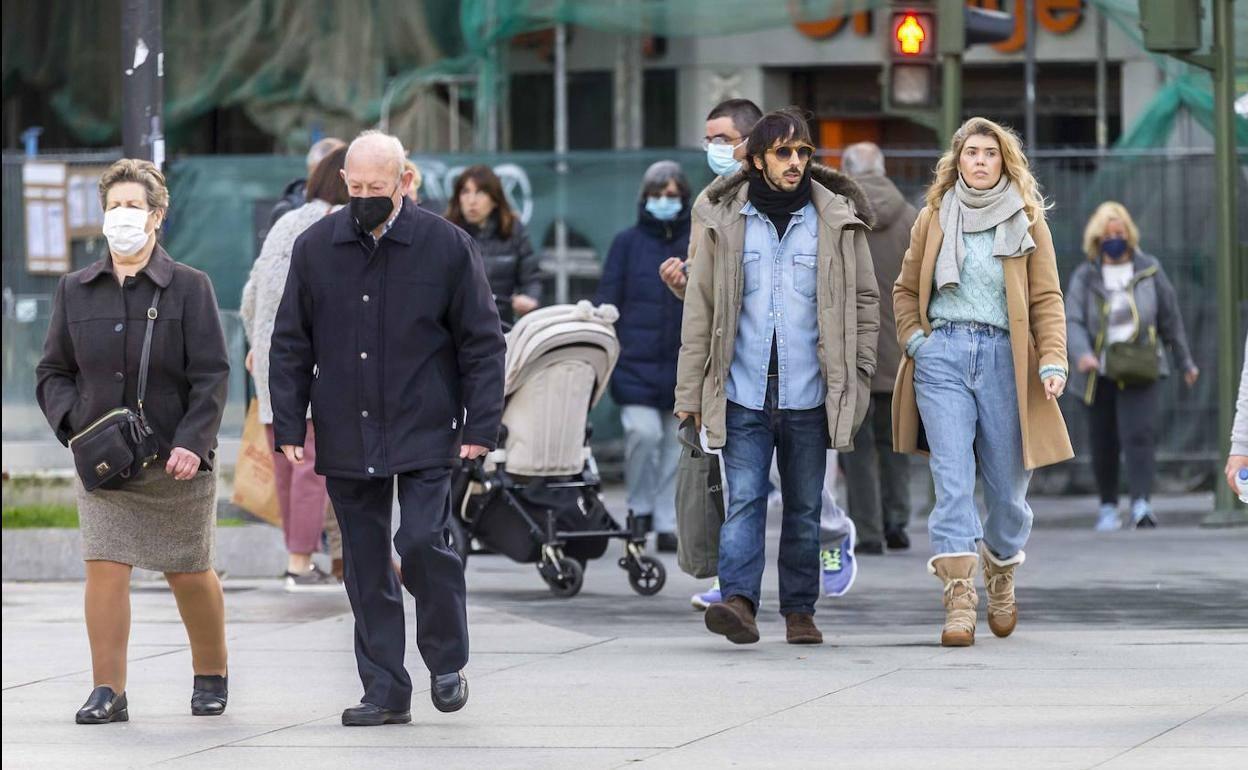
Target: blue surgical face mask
pixel 719 158
pixel 1114 248
pixel 663 209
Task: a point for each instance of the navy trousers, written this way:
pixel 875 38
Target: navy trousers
pixel 432 573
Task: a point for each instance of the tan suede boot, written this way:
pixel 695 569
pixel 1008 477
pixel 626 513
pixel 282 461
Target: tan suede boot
pixel 957 572
pixel 999 585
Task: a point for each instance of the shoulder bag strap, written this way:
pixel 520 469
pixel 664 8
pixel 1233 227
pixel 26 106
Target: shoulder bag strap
pixel 147 350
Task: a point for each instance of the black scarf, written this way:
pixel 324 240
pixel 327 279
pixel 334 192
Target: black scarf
pixel 777 205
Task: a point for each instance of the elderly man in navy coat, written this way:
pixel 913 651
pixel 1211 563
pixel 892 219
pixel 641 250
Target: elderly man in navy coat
pixel 387 326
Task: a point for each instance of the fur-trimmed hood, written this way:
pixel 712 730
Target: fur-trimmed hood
pixel 831 180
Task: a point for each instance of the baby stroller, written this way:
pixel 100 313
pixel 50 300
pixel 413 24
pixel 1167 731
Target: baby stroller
pixel 536 498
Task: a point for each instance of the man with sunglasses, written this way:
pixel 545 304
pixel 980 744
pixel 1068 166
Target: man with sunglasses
pixel 778 348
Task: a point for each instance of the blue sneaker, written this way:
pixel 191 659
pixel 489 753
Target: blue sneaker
pixel 1142 514
pixel 703 600
pixel 840 568
pixel 1107 520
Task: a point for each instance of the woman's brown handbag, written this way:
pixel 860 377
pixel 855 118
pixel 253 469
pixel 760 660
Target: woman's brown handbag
pixel 119 445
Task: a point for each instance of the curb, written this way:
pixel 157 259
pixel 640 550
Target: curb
pixel 249 551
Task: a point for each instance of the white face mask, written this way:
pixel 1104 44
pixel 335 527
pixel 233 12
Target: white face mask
pixel 126 230
pixel 721 160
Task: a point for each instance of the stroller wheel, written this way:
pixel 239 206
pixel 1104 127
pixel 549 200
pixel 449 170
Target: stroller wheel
pixel 567 583
pixel 647 575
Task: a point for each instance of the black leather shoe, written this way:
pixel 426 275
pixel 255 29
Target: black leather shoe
pixel 449 691
pixel 897 540
pixel 209 695
pixel 103 706
pixel 370 715
pixel 666 542
pixel 869 547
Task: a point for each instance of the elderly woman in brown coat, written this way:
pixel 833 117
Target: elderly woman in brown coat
pixel 980 316
pixel 164 519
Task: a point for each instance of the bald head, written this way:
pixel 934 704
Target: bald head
pixel 863 159
pixel 373 148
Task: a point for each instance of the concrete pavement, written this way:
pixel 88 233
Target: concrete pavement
pixel 1132 652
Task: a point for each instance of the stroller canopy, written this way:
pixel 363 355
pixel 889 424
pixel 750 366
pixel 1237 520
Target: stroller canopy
pixel 563 332
pixel 559 361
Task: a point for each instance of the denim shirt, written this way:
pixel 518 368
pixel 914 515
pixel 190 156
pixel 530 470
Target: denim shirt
pixel 778 297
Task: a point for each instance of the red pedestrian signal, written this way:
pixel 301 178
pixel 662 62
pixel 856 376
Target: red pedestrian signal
pixel 912 35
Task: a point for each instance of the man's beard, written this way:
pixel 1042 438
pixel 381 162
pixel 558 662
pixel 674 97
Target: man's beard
pixel 782 184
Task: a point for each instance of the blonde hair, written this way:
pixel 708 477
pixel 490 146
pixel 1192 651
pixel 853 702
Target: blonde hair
pixel 1100 219
pixel 417 177
pixel 142 172
pixel 1013 162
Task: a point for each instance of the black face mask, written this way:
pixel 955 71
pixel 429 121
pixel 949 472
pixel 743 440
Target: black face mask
pixel 370 212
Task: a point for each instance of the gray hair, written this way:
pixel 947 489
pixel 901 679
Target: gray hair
pixel 863 159
pixel 659 174
pixel 381 143
pixel 322 148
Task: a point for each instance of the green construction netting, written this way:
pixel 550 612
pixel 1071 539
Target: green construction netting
pixel 293 66
pixel 296 67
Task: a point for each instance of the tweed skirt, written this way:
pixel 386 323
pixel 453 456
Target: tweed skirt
pixel 154 522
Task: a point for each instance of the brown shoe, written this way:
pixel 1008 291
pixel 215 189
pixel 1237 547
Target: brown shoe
pixel 957 572
pixel 336 568
pixel 734 619
pixel 999 585
pixel 799 628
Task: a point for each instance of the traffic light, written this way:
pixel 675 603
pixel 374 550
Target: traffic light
pixel 963 26
pixel 913 34
pixel 922 29
pixel 912 70
pixel 1170 25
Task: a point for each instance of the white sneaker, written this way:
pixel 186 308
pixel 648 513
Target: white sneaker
pixel 1107 520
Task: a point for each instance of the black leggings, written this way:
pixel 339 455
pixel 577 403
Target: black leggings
pixel 1123 421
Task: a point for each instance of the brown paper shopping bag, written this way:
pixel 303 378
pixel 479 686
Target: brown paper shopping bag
pixel 255 490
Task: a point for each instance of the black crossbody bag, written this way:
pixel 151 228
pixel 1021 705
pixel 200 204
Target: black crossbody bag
pixel 119 445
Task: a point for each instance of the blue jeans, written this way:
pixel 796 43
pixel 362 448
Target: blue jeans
pixel 651 454
pixel 799 439
pixel 964 381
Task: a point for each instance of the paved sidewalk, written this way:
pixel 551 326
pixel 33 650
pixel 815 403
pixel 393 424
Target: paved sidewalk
pixel 1132 652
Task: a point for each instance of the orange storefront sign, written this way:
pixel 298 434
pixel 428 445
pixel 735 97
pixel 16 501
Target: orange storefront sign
pixel 1056 16
pixel 822 29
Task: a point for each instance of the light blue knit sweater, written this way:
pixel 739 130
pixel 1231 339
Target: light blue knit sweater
pixel 980 297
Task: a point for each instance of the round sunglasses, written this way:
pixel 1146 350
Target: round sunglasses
pixel 784 152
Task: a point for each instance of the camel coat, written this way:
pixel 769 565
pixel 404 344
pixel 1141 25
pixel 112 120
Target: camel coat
pixel 1037 337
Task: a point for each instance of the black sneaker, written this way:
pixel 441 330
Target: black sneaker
pixel 869 547
pixel 665 542
pixel 897 540
pixel 314 579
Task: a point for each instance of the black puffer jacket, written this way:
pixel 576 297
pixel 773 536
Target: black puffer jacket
pixel 510 263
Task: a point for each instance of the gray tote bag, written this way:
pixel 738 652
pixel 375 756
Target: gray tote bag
pixel 699 505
